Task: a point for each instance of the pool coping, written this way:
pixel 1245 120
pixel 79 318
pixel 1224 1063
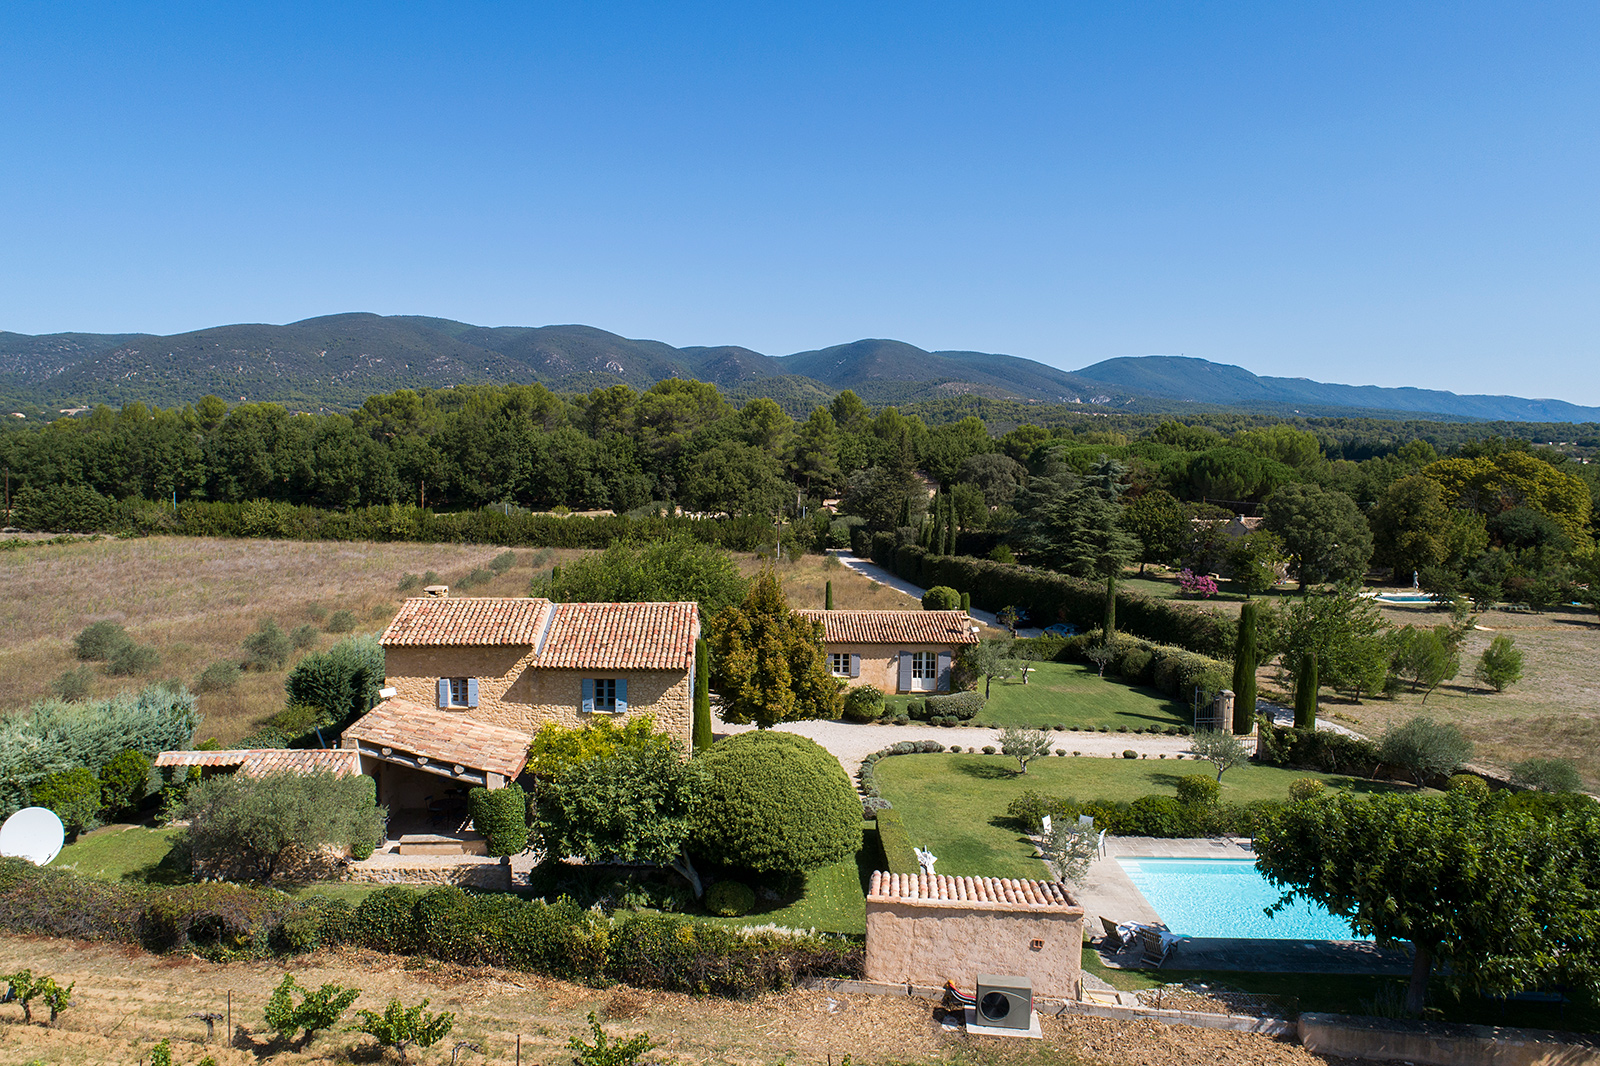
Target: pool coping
pixel 1108 891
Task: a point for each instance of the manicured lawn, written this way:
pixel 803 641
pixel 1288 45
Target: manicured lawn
pixel 122 853
pixel 955 805
pixel 835 900
pixel 1073 695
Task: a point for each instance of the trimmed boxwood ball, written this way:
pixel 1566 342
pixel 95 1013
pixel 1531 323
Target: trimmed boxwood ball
pixel 1130 754
pixel 730 899
pixel 775 803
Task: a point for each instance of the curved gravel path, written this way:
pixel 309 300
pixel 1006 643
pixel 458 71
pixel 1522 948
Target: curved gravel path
pixel 851 742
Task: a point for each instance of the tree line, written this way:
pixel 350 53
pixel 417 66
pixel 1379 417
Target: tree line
pixel 1490 517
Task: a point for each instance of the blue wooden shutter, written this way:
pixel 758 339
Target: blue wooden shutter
pixel 588 695
pixel 444 692
pixel 855 665
pixel 944 671
pixel 905 671
pixel 472 692
pixel 622 694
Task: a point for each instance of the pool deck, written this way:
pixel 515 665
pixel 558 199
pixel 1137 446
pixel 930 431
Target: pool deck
pixel 1108 891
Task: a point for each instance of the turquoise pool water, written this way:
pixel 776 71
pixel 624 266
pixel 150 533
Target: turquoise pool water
pixel 1403 597
pixel 1226 898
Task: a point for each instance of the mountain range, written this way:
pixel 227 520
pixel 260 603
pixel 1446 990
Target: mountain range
pixel 336 361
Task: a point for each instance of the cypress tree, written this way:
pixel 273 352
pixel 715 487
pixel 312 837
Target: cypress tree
pixel 905 512
pixel 827 596
pixel 1110 626
pixel 966 602
pixel 1305 694
pixel 1244 670
pixel 953 525
pixel 700 738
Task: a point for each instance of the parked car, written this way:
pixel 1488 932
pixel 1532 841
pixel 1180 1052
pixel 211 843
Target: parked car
pixel 1061 629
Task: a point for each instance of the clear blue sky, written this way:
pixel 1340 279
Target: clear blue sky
pixel 1383 193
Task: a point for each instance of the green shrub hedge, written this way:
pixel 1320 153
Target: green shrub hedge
pixel 70 509
pixel 959 705
pixel 1147 816
pixel 899 856
pixel 560 939
pixel 1047 598
pixel 1321 750
pixel 501 815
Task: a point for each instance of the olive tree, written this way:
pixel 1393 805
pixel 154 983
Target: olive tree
pixel 1024 745
pixel 255 828
pixel 1220 748
pixel 1425 749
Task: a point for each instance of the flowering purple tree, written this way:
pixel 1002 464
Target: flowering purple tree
pixel 1198 585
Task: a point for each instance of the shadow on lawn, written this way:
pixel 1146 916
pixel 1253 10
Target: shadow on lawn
pixel 987 771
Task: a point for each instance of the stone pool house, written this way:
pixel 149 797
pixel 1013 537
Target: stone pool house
pixel 897 651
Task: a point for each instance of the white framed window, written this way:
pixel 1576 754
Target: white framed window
pixel 924 666
pixel 839 663
pixel 458 692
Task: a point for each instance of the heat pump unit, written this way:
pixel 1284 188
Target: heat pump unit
pixel 1004 1002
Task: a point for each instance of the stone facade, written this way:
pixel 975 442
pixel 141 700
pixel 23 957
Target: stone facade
pixel 515 694
pixel 929 940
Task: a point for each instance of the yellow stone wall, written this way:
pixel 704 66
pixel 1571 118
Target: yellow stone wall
pixel 927 942
pixel 515 695
pixel 880 663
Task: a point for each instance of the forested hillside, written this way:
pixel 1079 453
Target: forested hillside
pixel 335 362
pixel 1337 495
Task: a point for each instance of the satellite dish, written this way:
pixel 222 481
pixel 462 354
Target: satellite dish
pixel 33 833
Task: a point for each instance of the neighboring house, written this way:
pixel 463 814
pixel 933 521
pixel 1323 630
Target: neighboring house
pixel 258 762
pixel 897 651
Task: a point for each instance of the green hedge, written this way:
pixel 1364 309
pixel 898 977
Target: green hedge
pixel 501 815
pixel 899 857
pixel 959 705
pixel 560 939
pixel 69 509
pixel 1321 750
pixel 1047 598
pixel 1147 816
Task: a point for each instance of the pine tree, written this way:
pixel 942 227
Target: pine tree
pixel 769 661
pixel 1244 670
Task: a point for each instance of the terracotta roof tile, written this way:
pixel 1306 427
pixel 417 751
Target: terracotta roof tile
pixel 257 762
pixel 444 737
pixel 466 620
pixel 983 891
pixel 894 627
pixel 616 636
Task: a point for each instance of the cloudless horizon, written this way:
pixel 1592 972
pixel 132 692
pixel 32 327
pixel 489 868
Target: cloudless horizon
pixel 1387 194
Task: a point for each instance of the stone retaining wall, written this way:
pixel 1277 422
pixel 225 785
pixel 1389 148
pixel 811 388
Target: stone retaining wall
pixel 494 874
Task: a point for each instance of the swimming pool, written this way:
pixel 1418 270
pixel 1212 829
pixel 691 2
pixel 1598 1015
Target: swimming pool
pixel 1225 898
pixel 1403 597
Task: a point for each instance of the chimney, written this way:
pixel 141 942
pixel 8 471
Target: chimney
pixel 441 591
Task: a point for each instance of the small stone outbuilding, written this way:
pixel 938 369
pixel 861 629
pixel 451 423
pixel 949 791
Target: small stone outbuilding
pixel 925 929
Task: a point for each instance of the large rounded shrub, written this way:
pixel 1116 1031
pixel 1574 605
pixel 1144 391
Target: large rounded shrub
pixel 776 802
pixel 863 703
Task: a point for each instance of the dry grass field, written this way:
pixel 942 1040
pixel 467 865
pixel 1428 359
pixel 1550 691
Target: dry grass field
pixel 126 1001
pixel 1554 711
pixel 195 600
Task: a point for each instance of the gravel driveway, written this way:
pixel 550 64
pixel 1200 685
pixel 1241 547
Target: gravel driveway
pixel 851 742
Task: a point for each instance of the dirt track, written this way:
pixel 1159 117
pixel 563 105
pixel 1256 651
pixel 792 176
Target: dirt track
pixel 126 1000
